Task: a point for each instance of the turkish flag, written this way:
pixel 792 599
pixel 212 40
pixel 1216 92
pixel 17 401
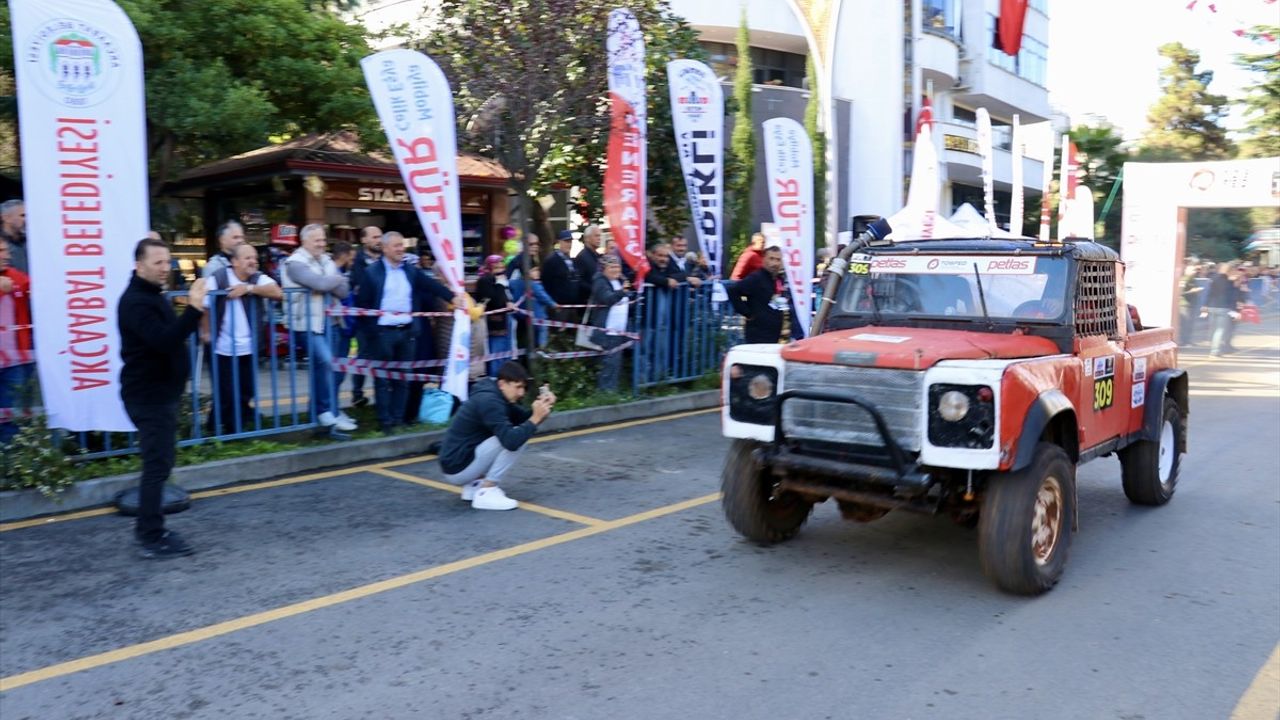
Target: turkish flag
pixel 1013 13
pixel 926 115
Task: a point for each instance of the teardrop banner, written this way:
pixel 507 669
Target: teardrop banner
pixel 415 104
pixel 697 116
pixel 82 118
pixel 788 162
pixel 625 174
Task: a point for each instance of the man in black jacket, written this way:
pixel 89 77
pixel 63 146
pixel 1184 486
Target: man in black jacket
pixel 559 276
pixel 153 347
pixel 762 298
pixel 587 262
pixel 397 289
pixel 488 434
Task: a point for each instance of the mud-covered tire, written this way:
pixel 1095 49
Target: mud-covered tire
pixel 750 503
pixel 1149 468
pixel 1024 529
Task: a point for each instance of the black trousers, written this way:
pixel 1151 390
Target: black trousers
pixel 395 343
pixel 235 390
pixel 158 444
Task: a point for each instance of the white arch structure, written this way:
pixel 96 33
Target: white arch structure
pixel 1154 222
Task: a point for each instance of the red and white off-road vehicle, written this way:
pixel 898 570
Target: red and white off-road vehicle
pixel 965 377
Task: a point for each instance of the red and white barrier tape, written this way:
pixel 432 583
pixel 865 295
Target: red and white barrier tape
pixel 584 353
pixel 369 312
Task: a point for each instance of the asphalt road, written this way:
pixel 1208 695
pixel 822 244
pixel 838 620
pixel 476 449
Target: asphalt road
pixel 365 594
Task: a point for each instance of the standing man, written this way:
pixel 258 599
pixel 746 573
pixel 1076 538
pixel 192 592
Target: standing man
pixel 396 289
pixel 559 276
pixel 762 299
pixel 16 361
pixel 237 317
pixel 486 437
pixel 311 268
pixel 370 252
pixel 152 346
pixel 230 236
pixel 13 227
pixel 751 259
pixel 587 262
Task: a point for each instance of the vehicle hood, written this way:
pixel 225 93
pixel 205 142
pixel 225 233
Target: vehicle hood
pixel 913 348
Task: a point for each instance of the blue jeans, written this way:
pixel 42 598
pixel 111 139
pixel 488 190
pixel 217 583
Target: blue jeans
pixel 498 344
pixel 320 350
pixel 341 346
pixel 15 397
pixel 1220 328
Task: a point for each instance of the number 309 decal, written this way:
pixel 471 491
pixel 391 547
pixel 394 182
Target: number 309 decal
pixel 1104 393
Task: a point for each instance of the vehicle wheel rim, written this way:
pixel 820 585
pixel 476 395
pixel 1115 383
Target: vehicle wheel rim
pixel 1165 453
pixel 1046 524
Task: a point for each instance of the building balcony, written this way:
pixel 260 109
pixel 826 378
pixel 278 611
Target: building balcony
pixel 938 55
pixel 964 164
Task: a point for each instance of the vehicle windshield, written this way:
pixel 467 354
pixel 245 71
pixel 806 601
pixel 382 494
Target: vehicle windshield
pixel 1016 287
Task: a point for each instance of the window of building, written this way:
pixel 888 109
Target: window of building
pixel 1041 6
pixel 769 67
pixel 1031 63
pixel 940 16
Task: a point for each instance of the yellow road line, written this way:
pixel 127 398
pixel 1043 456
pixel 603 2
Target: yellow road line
pixel 19 524
pixel 77 515
pixel 1261 701
pixel 170 642
pixel 531 507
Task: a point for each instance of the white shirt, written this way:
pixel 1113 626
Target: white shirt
pixel 397 296
pixel 617 319
pixel 240 340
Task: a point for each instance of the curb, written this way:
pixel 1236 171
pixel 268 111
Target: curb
pixel 30 503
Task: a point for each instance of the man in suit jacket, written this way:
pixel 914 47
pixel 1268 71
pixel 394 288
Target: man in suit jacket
pixel 369 253
pixel 395 288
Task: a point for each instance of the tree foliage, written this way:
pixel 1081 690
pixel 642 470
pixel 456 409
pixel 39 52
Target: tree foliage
pixel 1262 99
pixel 225 77
pixel 531 90
pixel 1101 160
pixel 817 138
pixel 1185 121
pixel 740 162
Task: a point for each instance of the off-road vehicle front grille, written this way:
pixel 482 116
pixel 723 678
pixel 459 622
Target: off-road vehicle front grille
pixel 896 394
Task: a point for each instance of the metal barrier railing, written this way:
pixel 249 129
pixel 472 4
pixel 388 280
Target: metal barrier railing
pixel 263 372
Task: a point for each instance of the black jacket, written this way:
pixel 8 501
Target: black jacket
pixel 587 263
pixel 484 415
pixel 560 278
pixel 152 345
pixel 751 297
pixel 422 289
pixel 1222 293
pixel 494 297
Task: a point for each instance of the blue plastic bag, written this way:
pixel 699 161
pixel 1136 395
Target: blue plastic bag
pixel 436 407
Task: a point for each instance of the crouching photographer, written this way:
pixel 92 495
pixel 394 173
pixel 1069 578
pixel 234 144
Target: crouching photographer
pixel 487 436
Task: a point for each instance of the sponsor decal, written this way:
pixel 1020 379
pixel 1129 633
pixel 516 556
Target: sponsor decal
pixel 1104 382
pixel 873 337
pixel 953 264
pixel 1088 367
pixel 1139 396
pixel 1139 370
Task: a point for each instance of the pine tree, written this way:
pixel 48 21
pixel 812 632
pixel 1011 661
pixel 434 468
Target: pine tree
pixel 741 170
pixel 1262 99
pixel 817 138
pixel 1184 122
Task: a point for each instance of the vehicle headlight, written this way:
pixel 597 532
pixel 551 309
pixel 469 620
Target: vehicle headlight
pixel 953 406
pixel 760 387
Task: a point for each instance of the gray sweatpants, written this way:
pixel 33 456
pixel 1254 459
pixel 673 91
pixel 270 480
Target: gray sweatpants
pixel 492 461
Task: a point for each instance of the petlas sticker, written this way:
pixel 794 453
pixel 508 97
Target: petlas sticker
pixel 953 264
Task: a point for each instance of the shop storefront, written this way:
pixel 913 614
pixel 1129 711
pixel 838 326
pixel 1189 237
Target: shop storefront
pixel 328 179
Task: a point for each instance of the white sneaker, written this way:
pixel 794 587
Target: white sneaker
pixel 469 490
pixel 492 498
pixel 341 422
